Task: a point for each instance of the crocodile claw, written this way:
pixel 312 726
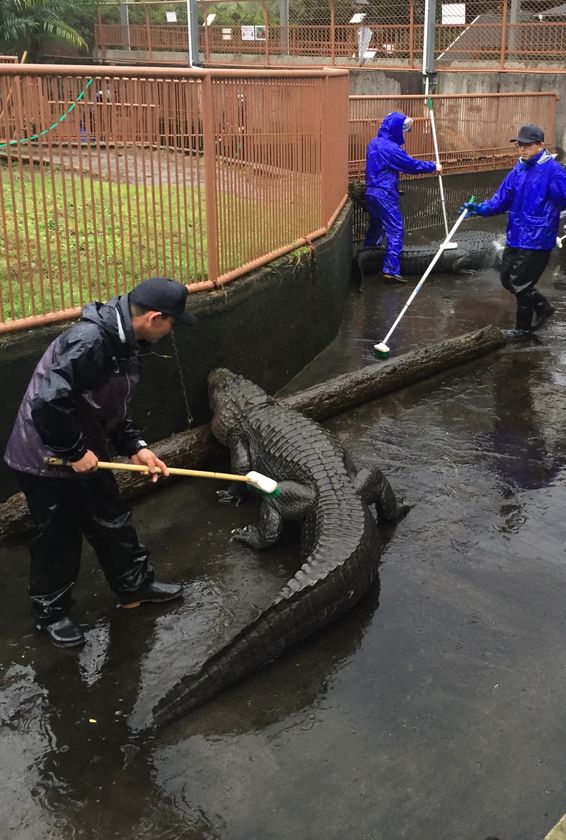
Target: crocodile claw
pixel 239 532
pixel 228 497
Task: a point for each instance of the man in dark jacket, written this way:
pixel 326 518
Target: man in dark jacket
pixel 385 159
pixel 534 193
pixel 76 407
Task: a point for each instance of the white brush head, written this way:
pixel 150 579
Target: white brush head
pixel 381 348
pixel 262 482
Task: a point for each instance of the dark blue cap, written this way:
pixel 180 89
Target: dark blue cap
pixel 529 134
pixel 163 295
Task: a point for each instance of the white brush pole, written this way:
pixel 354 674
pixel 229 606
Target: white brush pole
pixel 437 156
pixel 435 259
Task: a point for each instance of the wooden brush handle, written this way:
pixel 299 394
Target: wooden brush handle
pixel 116 465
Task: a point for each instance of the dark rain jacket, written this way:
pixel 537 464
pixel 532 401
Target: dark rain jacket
pixel 385 159
pixel 534 193
pixel 78 395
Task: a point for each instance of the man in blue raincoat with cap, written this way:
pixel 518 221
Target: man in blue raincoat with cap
pixel 533 193
pixel 385 159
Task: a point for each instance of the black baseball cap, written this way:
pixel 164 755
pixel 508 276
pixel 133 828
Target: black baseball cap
pixel 529 134
pixel 164 295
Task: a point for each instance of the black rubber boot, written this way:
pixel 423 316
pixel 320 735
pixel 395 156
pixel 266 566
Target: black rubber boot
pixel 51 615
pixel 543 310
pixel 153 593
pixel 522 325
pixel 63 633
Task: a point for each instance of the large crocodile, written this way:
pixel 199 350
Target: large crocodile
pixel 476 250
pixel 320 487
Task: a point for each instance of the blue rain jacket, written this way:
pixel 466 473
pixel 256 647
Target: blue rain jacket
pixel 534 193
pixel 385 159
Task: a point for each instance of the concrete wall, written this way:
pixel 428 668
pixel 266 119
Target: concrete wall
pixel 267 326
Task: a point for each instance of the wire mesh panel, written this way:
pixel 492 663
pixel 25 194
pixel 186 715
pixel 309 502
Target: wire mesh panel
pixel 112 175
pixel 493 35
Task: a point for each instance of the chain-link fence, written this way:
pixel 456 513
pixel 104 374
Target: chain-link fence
pixel 380 33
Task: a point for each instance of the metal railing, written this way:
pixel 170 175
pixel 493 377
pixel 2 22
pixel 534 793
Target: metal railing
pixel 479 34
pixel 474 130
pixel 112 174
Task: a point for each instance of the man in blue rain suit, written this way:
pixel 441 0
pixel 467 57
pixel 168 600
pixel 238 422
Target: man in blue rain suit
pixel 385 159
pixel 534 193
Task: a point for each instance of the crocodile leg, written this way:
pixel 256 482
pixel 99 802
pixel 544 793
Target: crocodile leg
pixel 375 489
pixel 241 463
pixel 294 501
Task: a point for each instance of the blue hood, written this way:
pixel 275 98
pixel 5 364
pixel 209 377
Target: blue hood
pixel 392 128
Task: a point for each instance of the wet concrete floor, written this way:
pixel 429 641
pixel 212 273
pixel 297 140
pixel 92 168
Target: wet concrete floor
pixel 435 710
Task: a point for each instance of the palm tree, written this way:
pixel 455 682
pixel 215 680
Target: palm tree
pixel 29 24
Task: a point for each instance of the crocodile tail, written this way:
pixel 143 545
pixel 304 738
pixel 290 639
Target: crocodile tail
pixel 293 616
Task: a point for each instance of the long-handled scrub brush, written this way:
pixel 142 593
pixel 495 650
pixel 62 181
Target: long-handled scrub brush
pixel 381 349
pixel 254 479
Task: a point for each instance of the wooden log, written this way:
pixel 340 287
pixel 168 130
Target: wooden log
pixel 191 449
pixel 367 383
pixel 197 448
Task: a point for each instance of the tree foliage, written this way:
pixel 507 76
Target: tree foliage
pixel 30 24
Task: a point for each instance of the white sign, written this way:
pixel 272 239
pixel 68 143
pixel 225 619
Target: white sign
pixel 226 33
pixel 454 13
pixel 171 17
pixel 248 33
pixel 358 17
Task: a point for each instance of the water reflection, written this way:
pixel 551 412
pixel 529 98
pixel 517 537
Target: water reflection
pixel 522 455
pixel 87 776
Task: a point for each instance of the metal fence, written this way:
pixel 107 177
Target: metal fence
pixel 483 34
pixel 109 175
pixel 473 137
pixel 473 129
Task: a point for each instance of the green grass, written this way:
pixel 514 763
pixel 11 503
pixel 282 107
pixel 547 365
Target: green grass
pixel 92 241
pixel 98 239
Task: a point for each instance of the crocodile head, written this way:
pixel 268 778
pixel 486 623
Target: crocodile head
pixel 232 398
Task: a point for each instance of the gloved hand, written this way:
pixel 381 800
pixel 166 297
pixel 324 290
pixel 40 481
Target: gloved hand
pixel 471 207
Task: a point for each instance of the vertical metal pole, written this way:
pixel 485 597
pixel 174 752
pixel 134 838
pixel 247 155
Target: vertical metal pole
pixel 428 43
pixel 411 33
pixel 209 159
pixel 514 17
pixel 192 32
pixel 503 35
pixel 266 30
pixel 284 26
pixel 332 31
pixel 125 22
pixel 147 31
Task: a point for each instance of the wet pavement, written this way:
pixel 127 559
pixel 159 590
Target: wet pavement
pixel 434 710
